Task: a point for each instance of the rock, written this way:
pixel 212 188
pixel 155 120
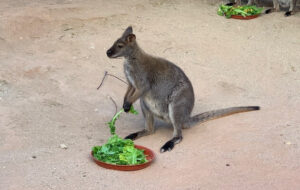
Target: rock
pixel 63 146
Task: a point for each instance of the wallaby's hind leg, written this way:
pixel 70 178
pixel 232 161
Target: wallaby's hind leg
pixel 178 114
pixel 275 7
pixel 293 4
pixel 149 123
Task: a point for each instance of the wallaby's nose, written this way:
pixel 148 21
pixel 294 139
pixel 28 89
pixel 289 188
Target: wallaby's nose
pixel 109 53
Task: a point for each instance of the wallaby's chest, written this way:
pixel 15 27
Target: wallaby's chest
pixel 132 74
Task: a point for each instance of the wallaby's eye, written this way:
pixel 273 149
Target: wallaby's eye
pixel 120 45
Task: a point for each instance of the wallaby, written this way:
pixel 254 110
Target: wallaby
pixel 164 90
pixel 283 3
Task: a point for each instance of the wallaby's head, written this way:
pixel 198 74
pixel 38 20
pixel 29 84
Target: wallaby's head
pixel 124 46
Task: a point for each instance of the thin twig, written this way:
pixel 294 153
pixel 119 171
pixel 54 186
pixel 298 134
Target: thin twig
pixel 106 74
pixel 117 78
pixel 115 104
pixel 102 80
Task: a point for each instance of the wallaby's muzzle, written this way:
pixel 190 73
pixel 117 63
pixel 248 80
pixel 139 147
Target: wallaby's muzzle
pixel 109 52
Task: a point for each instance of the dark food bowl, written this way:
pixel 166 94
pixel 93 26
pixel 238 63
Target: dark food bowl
pixel 244 18
pixel 149 156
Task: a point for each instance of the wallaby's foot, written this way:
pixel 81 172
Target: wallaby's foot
pixel 168 146
pixel 268 11
pixel 138 134
pixel 230 4
pixel 132 136
pixel 288 13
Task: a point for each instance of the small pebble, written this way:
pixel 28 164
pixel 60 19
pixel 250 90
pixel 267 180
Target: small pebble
pixel 92 46
pixel 63 146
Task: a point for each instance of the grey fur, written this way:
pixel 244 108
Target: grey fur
pixel 200 118
pixel 250 2
pixel 283 3
pixel 164 90
pixel 239 2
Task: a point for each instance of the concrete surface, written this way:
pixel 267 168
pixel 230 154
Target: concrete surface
pixel 52 58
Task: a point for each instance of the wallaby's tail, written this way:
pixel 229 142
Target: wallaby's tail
pixel 218 113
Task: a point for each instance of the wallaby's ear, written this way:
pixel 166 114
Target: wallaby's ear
pixel 127 31
pixel 130 38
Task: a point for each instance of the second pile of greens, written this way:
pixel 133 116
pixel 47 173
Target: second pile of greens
pixel 117 150
pixel 244 11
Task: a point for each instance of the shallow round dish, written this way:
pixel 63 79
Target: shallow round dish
pixel 244 18
pixel 149 156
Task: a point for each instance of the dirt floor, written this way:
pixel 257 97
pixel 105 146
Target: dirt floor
pixel 53 57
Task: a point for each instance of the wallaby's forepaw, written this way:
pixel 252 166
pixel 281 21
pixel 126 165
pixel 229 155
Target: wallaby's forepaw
pixel 288 13
pixel 167 147
pixel 126 106
pixel 268 11
pixel 132 136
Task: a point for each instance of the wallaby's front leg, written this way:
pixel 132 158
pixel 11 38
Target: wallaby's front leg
pixel 129 92
pixel 131 96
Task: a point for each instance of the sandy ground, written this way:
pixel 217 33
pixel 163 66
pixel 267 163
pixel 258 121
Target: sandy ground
pixel 52 58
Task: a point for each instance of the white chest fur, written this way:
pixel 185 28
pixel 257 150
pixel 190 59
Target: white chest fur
pixel 129 73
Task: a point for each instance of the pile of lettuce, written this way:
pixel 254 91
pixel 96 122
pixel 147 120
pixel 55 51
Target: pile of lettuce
pixel 117 150
pixel 244 11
